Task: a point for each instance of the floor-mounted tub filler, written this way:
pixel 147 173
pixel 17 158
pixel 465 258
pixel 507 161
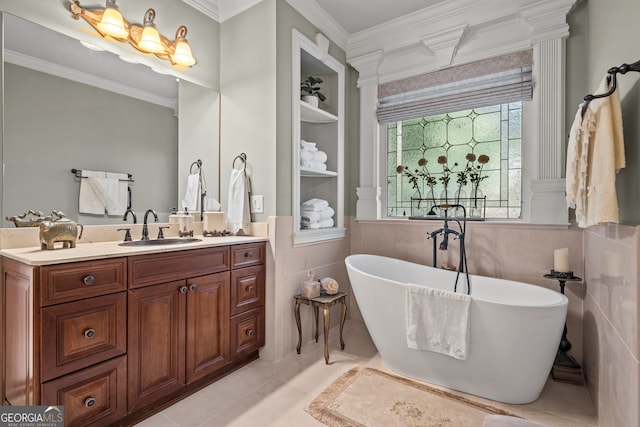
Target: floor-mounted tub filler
pixel 514 328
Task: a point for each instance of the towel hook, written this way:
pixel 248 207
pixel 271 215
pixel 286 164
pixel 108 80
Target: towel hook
pixel 243 159
pixel 198 164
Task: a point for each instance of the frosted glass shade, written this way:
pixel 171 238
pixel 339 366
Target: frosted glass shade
pixel 182 54
pixel 112 24
pixel 150 40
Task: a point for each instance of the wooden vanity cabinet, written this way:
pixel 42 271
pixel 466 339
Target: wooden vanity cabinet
pixel 114 340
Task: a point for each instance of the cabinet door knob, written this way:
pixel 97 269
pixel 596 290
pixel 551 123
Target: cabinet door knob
pixel 249 332
pixel 90 333
pixel 184 290
pixel 249 288
pixel 248 254
pixel 89 280
pixel 89 402
pixel 192 287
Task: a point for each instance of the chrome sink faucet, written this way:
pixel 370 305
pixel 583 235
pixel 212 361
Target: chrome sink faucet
pixel 145 230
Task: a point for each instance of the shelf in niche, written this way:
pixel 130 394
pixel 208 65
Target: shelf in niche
pixel 305 235
pixel 316 173
pixel 311 114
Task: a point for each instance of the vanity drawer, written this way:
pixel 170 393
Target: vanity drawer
pixel 95 396
pixel 71 282
pixel 247 289
pixel 81 333
pixel 247 332
pixel 145 270
pixel 247 255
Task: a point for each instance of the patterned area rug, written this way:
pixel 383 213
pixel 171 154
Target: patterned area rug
pixel 369 397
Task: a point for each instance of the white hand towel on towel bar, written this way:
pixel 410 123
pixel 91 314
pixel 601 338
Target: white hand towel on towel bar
pixel 89 202
pixel 119 193
pixel 190 200
pixel 238 213
pixel 437 320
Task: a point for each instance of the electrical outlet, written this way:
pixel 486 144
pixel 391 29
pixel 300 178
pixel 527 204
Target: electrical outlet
pixel 257 204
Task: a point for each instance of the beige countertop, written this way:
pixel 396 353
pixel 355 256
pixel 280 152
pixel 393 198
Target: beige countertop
pixel 102 250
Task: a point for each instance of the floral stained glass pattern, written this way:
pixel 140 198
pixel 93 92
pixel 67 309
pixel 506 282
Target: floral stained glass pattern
pixel 495 132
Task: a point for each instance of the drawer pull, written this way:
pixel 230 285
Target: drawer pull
pixel 249 332
pixel 184 290
pixel 249 288
pixel 248 254
pixel 193 287
pixel 90 333
pixel 89 402
pixel 89 280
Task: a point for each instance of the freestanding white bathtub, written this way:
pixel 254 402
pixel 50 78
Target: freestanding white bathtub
pixel 514 336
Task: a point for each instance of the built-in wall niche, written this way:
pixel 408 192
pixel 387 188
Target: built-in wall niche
pixel 67 106
pixel 324 126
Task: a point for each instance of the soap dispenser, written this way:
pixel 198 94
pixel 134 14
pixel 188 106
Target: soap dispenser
pixel 185 224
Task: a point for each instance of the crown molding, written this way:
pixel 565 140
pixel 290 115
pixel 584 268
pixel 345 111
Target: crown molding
pixel 322 20
pixel 456 32
pixel 211 8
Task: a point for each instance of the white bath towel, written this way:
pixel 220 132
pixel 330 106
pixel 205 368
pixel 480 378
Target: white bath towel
pixel 319 156
pixel 238 213
pixel 190 200
pixel 325 223
pixel 311 146
pixel 119 189
pixel 311 165
pixel 315 204
pixel 306 155
pixel 437 320
pixel 595 153
pixel 88 201
pixel 309 216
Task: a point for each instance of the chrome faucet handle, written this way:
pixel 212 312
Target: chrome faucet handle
pixel 127 235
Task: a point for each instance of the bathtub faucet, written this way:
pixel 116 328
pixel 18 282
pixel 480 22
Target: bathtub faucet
pixel 444 245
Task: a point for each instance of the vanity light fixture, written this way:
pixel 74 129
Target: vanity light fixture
pixel 109 23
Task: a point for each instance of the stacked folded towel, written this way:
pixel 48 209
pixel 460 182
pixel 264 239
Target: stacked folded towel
pixel 311 157
pixel 316 213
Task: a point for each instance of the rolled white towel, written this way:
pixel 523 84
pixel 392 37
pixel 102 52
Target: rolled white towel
pixel 319 156
pixel 306 155
pixel 327 213
pixel 326 223
pixel 321 167
pixel 311 146
pixel 308 217
pixel 315 203
pixel 312 226
pixel 329 285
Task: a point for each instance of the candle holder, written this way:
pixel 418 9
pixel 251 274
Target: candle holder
pixel 565 367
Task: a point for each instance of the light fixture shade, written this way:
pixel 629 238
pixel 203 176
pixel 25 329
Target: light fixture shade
pixel 112 24
pixel 150 40
pixel 182 54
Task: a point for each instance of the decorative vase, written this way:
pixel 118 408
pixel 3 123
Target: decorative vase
pixel 445 198
pixel 476 205
pixel 459 198
pixel 311 100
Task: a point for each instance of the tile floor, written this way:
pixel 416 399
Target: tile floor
pixel 276 394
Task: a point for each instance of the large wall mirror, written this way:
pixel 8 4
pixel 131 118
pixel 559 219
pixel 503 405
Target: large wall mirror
pixel 67 107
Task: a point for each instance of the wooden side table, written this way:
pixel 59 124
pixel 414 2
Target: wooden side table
pixel 324 301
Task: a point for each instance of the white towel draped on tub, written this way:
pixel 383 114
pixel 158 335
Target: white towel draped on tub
pixel 437 320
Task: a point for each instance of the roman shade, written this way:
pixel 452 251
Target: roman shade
pixel 491 81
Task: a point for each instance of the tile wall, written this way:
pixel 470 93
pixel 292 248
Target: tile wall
pixel 611 343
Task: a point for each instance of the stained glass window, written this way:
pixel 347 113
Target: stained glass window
pixel 494 132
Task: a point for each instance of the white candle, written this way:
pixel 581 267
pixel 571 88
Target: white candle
pixel 561 260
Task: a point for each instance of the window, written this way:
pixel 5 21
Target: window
pixel 493 131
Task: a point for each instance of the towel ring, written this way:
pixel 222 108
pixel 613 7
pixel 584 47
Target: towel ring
pixel 198 164
pixel 243 158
